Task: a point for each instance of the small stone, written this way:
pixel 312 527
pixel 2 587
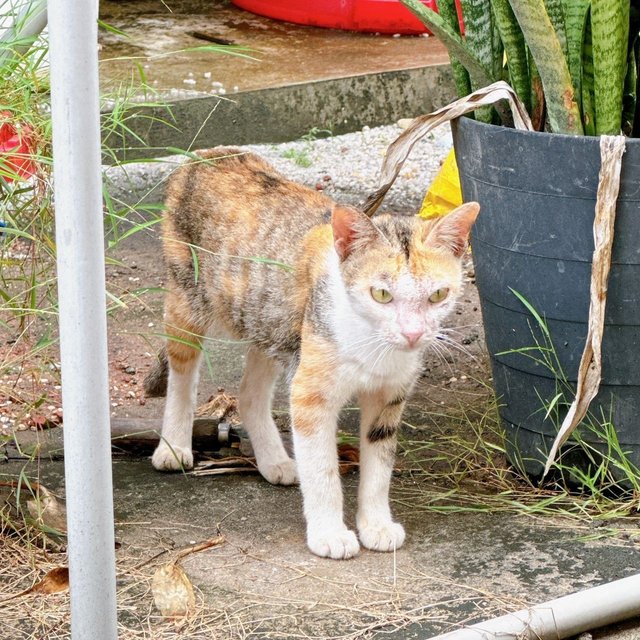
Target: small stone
pixel 130 370
pixel 207 75
pixel 22 427
pixel 319 186
pixel 142 402
pixel 327 178
pixel 131 394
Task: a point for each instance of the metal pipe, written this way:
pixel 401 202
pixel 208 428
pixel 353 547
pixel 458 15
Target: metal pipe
pixel 73 39
pixel 562 618
pixel 21 35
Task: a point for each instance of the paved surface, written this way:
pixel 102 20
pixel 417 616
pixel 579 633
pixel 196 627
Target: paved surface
pixel 163 38
pixel 453 569
pixel 295 80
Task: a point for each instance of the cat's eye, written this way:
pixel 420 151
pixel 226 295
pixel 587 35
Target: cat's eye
pixel 383 296
pixel 439 295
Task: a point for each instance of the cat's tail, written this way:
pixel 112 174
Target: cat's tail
pixel 155 383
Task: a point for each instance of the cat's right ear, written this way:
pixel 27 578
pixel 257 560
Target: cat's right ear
pixel 351 229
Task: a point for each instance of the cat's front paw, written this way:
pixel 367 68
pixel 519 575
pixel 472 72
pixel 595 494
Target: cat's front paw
pixel 339 545
pixel 166 458
pixel 283 472
pixel 384 535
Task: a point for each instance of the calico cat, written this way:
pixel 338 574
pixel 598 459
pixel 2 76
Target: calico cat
pixel 345 303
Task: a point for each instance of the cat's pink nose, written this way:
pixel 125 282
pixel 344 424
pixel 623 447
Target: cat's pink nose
pixel 412 337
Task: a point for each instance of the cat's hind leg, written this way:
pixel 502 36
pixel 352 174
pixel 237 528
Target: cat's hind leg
pixel 254 406
pixel 184 354
pixel 381 414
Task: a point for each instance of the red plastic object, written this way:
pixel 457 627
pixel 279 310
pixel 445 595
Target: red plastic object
pixel 377 16
pixel 15 149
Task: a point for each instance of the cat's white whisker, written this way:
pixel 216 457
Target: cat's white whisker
pixel 452 344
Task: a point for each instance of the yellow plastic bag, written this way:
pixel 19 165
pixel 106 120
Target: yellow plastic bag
pixel 444 194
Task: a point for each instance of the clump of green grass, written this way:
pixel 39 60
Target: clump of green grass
pixel 463 464
pixel 301 156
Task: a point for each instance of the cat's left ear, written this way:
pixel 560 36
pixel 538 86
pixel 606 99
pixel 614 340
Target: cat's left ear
pixel 451 231
pixel 352 229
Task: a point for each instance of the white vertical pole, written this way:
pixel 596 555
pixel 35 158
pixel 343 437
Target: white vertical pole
pixel 73 40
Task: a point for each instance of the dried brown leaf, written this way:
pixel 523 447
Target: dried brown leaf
pixel 589 374
pixel 54 581
pixel 219 407
pixel 172 591
pixel 400 148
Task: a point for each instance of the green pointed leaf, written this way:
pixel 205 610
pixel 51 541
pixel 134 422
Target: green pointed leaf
pixel 575 19
pixel 479 37
pixel 449 13
pixel 479 74
pixel 515 50
pixel 540 35
pixel 555 11
pixel 588 100
pixel 610 34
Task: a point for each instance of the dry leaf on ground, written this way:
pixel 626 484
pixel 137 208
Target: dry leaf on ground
pixel 172 591
pixel 54 581
pixel 220 406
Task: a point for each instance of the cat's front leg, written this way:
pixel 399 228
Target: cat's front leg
pixel 314 410
pixel 381 414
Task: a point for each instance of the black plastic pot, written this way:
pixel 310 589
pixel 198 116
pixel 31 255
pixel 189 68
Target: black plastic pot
pixel 534 236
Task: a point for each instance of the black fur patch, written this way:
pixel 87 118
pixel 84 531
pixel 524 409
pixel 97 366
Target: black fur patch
pixel 268 182
pixel 326 216
pixel 404 234
pixel 379 432
pixel 397 401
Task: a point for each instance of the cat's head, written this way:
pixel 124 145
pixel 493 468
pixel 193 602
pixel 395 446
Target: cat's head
pixel 402 274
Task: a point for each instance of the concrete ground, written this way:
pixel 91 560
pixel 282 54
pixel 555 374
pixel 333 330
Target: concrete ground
pixel 291 79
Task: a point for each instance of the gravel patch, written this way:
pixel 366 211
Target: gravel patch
pixel 346 167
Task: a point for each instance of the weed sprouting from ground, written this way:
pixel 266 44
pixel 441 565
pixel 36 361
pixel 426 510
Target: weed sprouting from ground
pixel 463 465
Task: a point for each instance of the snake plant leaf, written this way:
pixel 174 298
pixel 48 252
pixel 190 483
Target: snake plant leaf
pixel 497 48
pixel 588 99
pixel 537 96
pixel 449 13
pixel 575 19
pixel 629 99
pixel 479 74
pixel 515 49
pixel 479 37
pixel 562 108
pixel 555 11
pixel 610 35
